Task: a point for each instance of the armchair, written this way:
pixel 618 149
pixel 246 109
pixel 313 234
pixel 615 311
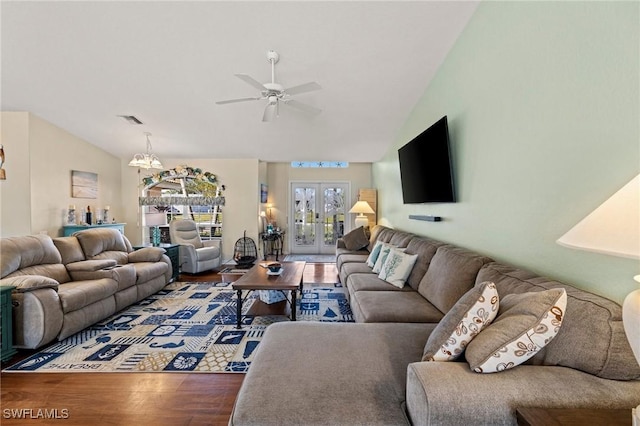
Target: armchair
pixel 195 255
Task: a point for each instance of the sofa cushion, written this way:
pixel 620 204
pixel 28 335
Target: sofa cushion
pixel 371 282
pixel 401 239
pixel 451 274
pixel 592 337
pixel 351 257
pixel 78 294
pixel 425 248
pixel 375 235
pixel 23 252
pixel 474 311
pixel 356 239
pixel 146 271
pixel 526 323
pixel 69 248
pixel 363 365
pixel 399 306
pixel 397 267
pixel 98 240
pixel 121 257
pixel 348 269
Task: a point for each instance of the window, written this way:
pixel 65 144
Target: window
pixel 320 164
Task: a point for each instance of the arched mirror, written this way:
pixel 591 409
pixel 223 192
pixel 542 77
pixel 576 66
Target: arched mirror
pixel 181 193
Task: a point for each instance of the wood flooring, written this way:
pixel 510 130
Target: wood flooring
pixel 157 399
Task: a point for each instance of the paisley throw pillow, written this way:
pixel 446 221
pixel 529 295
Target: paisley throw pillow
pixel 471 313
pixel 526 323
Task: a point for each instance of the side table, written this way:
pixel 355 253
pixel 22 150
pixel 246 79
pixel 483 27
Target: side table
pixel 6 325
pixel 173 252
pixel 273 240
pixel 533 416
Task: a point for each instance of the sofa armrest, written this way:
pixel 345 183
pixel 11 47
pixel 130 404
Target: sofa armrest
pixel 147 254
pixel 27 283
pixel 89 265
pixel 450 393
pixel 211 243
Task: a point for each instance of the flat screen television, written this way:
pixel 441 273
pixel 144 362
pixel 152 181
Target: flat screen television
pixel 425 167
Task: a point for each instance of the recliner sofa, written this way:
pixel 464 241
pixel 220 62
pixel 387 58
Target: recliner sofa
pixel 195 255
pixel 373 371
pixel 63 285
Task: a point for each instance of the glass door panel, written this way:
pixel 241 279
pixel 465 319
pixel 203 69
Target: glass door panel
pixel 318 212
pixel 333 217
pixel 304 216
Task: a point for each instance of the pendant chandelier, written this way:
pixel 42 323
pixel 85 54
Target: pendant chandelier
pixel 146 160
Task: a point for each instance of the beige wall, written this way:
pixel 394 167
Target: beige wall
pixel 543 106
pixel 40 158
pixel 280 175
pixel 240 212
pixel 15 191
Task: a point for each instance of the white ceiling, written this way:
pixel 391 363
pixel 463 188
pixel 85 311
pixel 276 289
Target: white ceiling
pixel 81 64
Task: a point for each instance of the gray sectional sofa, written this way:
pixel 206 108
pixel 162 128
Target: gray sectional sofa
pixel 63 285
pixel 372 372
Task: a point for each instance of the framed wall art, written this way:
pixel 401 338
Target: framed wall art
pixel 84 184
pixel 264 192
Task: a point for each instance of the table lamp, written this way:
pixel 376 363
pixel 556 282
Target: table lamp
pixel 614 229
pixel 361 207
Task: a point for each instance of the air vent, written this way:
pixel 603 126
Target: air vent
pixel 131 119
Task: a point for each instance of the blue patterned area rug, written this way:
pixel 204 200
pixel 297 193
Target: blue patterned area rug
pixel 186 327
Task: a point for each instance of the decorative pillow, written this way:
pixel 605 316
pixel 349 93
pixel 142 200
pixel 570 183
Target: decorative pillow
pixel 526 323
pixel 375 252
pixel 473 312
pixel 384 252
pixel 397 267
pixel 356 239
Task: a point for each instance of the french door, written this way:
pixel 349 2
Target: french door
pixel 317 215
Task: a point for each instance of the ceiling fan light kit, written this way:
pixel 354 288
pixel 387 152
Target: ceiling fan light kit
pixel 274 93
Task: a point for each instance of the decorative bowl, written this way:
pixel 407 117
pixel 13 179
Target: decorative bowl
pixel 275 267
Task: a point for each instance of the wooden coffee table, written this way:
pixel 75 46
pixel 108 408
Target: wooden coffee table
pixel 257 279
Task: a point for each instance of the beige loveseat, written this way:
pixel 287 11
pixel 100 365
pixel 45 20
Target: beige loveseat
pixel 63 285
pixel 373 372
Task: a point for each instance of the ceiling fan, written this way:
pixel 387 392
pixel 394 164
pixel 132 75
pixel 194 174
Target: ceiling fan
pixel 275 93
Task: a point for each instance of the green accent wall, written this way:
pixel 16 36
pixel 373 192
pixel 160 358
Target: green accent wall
pixel 543 106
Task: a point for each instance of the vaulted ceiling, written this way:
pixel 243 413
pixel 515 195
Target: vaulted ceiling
pixel 80 65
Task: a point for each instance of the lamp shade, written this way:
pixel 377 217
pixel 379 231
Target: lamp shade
pixel 155 219
pixel 613 228
pixel 361 207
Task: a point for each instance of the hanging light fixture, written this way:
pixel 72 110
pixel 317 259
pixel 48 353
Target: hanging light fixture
pixel 146 160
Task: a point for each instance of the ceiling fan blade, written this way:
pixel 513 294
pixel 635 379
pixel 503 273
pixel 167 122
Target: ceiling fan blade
pixel 269 112
pixel 230 101
pixel 303 107
pixel 252 81
pixel 303 88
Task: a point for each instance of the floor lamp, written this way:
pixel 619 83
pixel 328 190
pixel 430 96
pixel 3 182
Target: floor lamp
pixel 614 228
